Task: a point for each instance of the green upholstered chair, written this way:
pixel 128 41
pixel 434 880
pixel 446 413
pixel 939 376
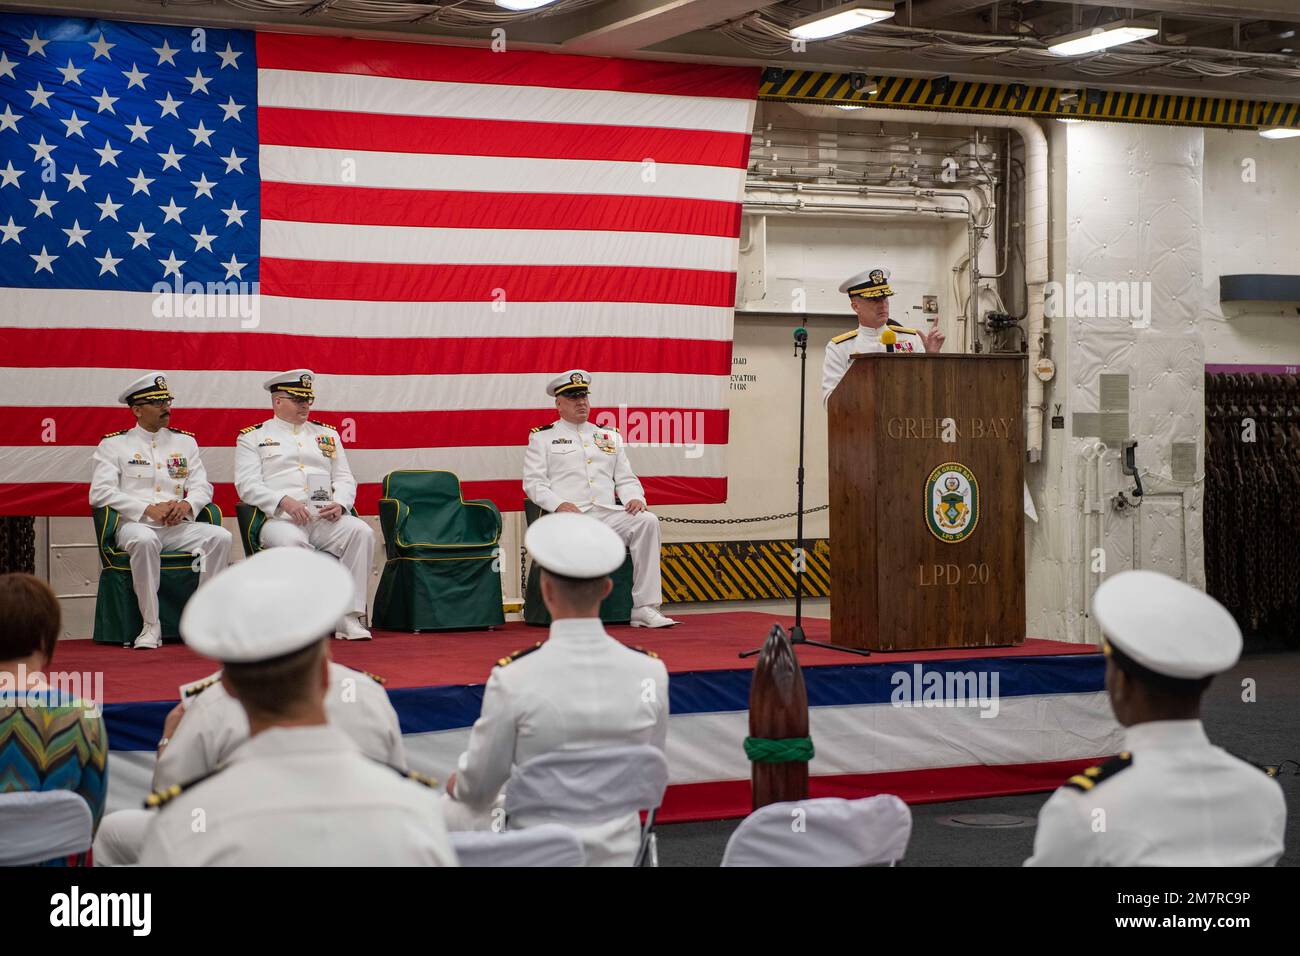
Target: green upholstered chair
pixel 615 609
pixel 117 613
pixel 250 526
pixel 442 570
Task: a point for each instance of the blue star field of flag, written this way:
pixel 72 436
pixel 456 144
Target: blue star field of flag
pixel 128 155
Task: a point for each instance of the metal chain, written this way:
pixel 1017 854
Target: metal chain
pixel 788 514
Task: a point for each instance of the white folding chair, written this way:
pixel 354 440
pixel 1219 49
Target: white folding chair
pixel 823 832
pixel 40 825
pixel 550 844
pixel 595 785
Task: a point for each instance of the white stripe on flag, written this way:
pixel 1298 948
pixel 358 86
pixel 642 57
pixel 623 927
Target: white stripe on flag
pixel 497 174
pixel 99 387
pixel 355 93
pixel 339 242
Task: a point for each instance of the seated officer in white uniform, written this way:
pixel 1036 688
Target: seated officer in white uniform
pixel 154 477
pixel 578 690
pixel 869 294
pixel 571 465
pixel 298 792
pixel 1171 798
pixel 296 471
pixel 208 724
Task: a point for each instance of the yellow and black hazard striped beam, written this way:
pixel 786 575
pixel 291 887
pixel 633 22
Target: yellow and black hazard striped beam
pixel 1022 99
pixel 742 570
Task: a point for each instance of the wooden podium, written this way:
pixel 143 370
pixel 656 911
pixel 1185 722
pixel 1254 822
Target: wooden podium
pixel 927 502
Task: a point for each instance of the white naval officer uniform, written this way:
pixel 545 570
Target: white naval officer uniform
pixel 1171 798
pixel 136 468
pixel 587 466
pixel 291 795
pixel 301 796
pixel 580 689
pixel 275 459
pixel 860 341
pixel 214 725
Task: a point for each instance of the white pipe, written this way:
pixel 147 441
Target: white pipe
pixel 1035 220
pixel 1094 454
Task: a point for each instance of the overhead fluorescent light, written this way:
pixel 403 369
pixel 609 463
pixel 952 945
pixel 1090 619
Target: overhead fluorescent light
pixel 841 19
pixel 1279 132
pixel 1286 34
pixel 1101 38
pixel 523 4
pixel 849 106
pixel 1068 119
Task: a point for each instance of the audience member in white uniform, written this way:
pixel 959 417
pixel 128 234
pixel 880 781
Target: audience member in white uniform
pixel 578 690
pixel 1171 798
pixel 298 792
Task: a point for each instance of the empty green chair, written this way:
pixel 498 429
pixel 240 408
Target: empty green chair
pixel 117 613
pixel 615 609
pixel 442 570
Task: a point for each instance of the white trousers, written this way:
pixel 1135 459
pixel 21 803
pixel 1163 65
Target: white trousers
pixel 640 532
pixel 144 543
pixel 120 837
pixel 349 539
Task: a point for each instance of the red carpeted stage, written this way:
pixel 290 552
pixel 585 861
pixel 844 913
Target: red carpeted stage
pixel 1047 698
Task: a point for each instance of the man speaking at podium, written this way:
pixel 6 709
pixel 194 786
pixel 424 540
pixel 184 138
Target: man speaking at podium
pixel 869 294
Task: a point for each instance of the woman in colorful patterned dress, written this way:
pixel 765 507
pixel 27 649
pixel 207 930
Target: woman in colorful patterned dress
pixel 49 738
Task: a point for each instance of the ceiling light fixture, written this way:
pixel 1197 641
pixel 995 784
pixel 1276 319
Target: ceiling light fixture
pixel 1101 38
pixel 518 5
pixel 1279 132
pixel 841 19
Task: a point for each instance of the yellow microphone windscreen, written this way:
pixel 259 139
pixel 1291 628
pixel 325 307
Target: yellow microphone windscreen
pixel 888 336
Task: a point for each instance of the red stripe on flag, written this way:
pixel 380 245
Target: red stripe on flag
pixel 134 348
pixel 367 206
pixel 329 129
pixel 389 282
pixel 219 427
pixel 71 499
pixel 457 64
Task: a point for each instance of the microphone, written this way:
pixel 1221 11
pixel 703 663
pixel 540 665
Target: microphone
pixel 800 339
pixel 887 338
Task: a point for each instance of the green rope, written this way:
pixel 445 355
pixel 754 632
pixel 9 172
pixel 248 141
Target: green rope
pixel 789 750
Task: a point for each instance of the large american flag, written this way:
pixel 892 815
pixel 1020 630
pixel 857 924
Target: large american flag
pixel 435 231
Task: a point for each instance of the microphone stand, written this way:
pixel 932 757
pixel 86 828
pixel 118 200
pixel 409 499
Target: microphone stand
pixel 796 630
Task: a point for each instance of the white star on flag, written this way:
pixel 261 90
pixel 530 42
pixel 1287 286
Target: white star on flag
pixel 44 206
pixel 105 102
pixel 42 150
pixel 139 183
pixel 165 53
pixel 108 209
pixel 198 82
pixel 202 187
pixel 44 261
pixel 234 268
pixel 11 230
pixel 171 159
pixel 173 265
pixel 108 262
pixel 9 177
pixel 234 164
pixel 41 94
pixel 234 215
pixel 108 155
pixel 202 239
pixel 76 234
pixel 231 109
pixel 36 46
pixel 139 130
pixel 140 237
pixel 7 66
pixel 202 134
pixel 76 179
pixel 229 56
pixel 101 48
pixel 135 77
pixel 171 211
pixel 9 119
pixel 74 125
pixel 70 73
pixel 169 105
